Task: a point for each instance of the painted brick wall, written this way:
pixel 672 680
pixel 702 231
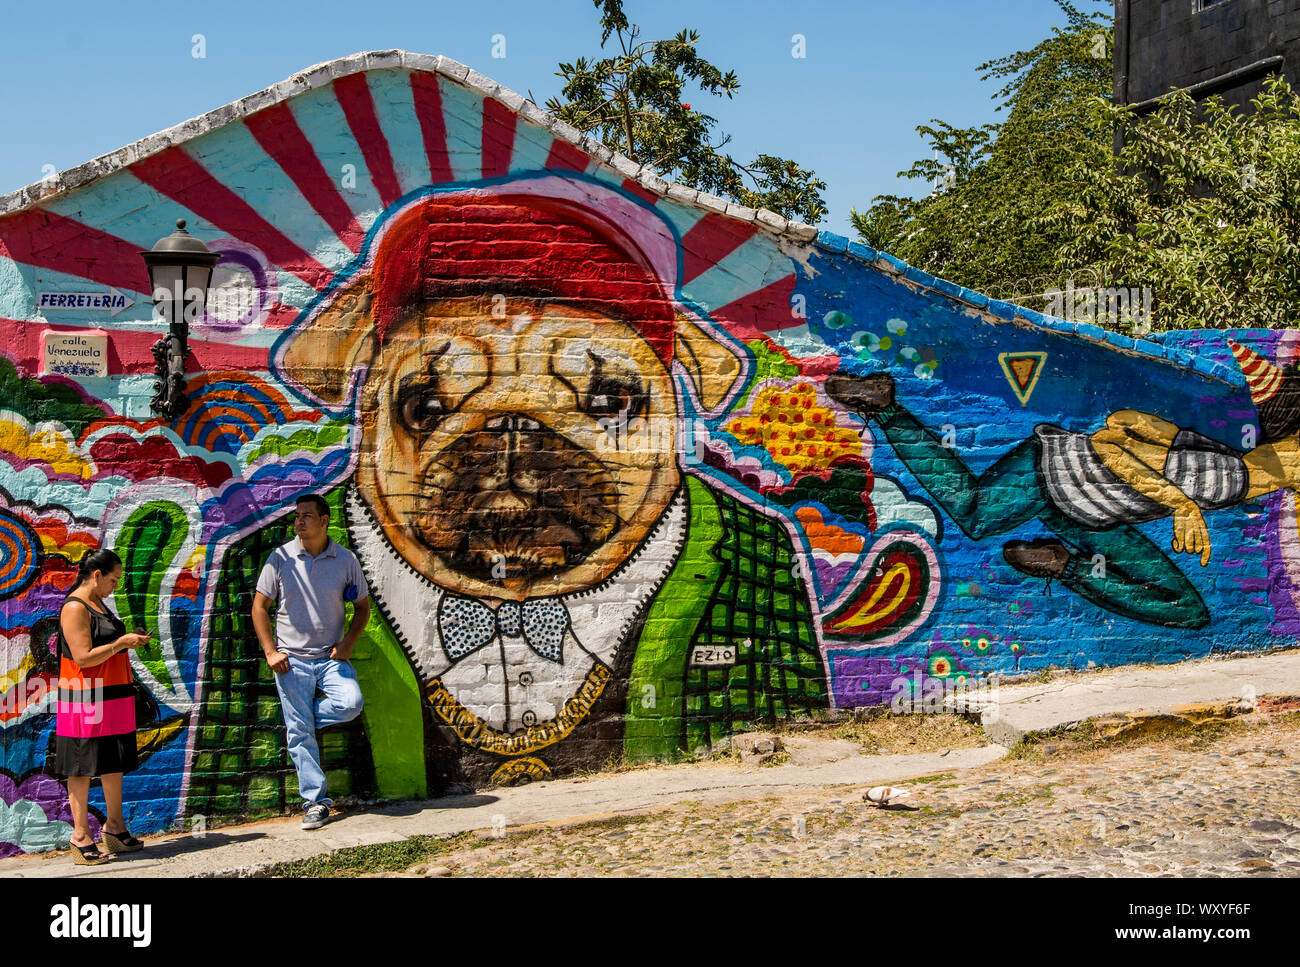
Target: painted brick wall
pixel 627 468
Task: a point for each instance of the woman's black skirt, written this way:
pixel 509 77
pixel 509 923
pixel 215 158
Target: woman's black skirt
pixel 96 756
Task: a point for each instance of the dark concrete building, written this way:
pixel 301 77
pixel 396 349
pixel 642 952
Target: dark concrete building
pixel 1224 47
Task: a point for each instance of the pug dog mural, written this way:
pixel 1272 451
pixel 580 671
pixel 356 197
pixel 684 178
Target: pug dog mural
pixel 561 585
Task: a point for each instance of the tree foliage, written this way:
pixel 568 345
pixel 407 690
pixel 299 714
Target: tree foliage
pixel 636 101
pixel 986 225
pixel 1202 206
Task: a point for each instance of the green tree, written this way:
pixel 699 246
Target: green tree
pixel 1202 205
pixel 988 223
pixel 635 101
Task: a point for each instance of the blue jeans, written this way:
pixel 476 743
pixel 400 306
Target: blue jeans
pixel 304 714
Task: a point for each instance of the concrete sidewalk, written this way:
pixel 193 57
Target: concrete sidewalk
pixel 1021 709
pixel 242 850
pixel 1140 691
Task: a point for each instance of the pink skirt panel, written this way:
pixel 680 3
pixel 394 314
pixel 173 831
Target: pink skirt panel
pixel 83 720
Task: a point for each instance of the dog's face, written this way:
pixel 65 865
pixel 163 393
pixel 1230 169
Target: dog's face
pixel 511 450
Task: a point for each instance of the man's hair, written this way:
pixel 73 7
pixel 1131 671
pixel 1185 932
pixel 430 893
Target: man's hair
pixel 317 501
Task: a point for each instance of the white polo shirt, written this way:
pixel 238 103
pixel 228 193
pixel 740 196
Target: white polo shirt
pixel 311 593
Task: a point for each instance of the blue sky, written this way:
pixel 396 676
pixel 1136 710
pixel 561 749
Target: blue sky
pixel 84 78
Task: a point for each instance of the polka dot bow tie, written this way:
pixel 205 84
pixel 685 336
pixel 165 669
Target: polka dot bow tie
pixel 466 625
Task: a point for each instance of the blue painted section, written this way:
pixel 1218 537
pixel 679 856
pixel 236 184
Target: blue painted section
pixel 233 156
pixel 1082 381
pixel 395 108
pixel 326 127
pixel 462 110
pixel 531 148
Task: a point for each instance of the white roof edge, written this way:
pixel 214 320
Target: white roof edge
pixel 318 75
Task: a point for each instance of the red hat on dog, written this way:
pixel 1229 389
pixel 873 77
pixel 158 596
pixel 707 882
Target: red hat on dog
pixel 554 237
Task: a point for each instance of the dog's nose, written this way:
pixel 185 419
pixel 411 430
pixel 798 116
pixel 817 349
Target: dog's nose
pixel 512 422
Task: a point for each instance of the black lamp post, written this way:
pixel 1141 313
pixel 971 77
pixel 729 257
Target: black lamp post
pixel 180 270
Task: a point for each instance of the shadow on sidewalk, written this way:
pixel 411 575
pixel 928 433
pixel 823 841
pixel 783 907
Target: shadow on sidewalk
pixel 411 808
pixel 160 849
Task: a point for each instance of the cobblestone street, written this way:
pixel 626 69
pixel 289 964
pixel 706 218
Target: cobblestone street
pixel 1224 802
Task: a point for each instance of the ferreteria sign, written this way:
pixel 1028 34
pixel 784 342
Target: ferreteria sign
pixel 112 300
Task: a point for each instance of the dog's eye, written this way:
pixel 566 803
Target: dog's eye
pixel 420 408
pixel 610 397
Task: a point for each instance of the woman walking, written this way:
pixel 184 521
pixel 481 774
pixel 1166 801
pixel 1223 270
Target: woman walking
pixel 95 722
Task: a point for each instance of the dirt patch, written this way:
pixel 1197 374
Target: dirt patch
pixel 1091 740
pixel 888 734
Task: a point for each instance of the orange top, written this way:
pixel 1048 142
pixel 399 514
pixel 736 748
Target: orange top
pixel 97 701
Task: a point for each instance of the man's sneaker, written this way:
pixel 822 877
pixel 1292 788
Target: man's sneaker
pixel 317 813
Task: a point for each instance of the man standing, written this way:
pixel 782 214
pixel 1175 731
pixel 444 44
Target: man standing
pixel 312 578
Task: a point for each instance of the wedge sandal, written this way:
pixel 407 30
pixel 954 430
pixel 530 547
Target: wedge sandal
pixel 88 855
pixel 122 842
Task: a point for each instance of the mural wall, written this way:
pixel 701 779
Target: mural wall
pixel 627 469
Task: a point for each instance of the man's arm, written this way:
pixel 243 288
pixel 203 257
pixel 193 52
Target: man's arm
pixel 1133 446
pixel 278 661
pixel 360 615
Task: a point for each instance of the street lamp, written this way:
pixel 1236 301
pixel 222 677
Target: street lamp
pixel 180 270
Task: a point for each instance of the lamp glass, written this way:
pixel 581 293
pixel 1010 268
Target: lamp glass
pixel 168 282
pixel 197 279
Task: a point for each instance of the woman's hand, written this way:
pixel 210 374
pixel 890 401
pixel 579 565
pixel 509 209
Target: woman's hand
pixel 131 640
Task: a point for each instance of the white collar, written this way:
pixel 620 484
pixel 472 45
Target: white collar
pixel 601 617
